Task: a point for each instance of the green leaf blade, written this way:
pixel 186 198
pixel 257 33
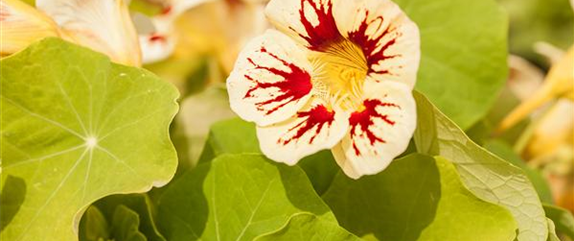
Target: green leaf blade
pixel 484 174
pixel 463 55
pixel 416 198
pixel 236 197
pixel 309 227
pixel 78 128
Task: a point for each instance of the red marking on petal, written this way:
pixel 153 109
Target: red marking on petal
pixel 373 51
pixel 326 30
pixel 166 10
pixel 364 119
pixel 4 12
pixel 318 117
pixel 157 38
pixel 295 85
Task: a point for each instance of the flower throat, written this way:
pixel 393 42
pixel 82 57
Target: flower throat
pixel 340 69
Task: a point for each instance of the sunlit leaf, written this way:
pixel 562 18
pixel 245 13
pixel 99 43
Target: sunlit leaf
pixel 416 198
pixel 484 174
pixel 236 197
pixel 503 150
pixel 310 228
pixel 236 136
pixel 76 128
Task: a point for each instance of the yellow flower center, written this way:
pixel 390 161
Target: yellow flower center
pixel 340 69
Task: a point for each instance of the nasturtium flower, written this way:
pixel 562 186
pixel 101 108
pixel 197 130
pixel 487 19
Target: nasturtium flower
pixel 337 74
pixel 103 26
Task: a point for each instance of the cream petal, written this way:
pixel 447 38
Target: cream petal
pixel 102 25
pixel 314 128
pixel 380 131
pixel 271 80
pixel 310 22
pixel 156 47
pixel 389 39
pixel 22 25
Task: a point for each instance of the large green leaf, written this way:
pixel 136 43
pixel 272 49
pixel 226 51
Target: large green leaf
pixel 484 174
pixel 463 62
pixel 309 227
pixel 125 225
pixel 416 198
pixel 223 139
pixel 505 151
pixel 76 128
pixel 236 197
pixel 233 136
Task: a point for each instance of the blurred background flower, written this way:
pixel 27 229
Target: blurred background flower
pixel 194 44
pixel 535 113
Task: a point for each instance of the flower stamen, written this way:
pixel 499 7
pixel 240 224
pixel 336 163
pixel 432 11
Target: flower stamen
pixel 340 68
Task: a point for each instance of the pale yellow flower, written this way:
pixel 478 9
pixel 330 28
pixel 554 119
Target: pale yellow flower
pixel 102 25
pixel 194 28
pixel 559 83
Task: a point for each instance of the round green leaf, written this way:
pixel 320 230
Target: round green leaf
pixel 236 197
pixel 76 128
pixel 309 227
pixel 416 198
pixel 463 55
pixel 484 174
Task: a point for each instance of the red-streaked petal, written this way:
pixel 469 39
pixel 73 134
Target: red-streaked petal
pixel 156 47
pixel 380 131
pixel 22 25
pixel 389 39
pixel 102 25
pixel 271 80
pixel 310 21
pixel 314 128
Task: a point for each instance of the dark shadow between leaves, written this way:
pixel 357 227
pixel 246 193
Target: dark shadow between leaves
pixel 292 180
pixel 183 212
pixel 396 204
pixel 11 199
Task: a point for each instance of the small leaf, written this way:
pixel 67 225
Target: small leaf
pixel 552 231
pixel 562 218
pixel 94 226
pixel 140 204
pixel 236 197
pixel 76 128
pixel 125 225
pixel 416 198
pixel 484 174
pixel 310 228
